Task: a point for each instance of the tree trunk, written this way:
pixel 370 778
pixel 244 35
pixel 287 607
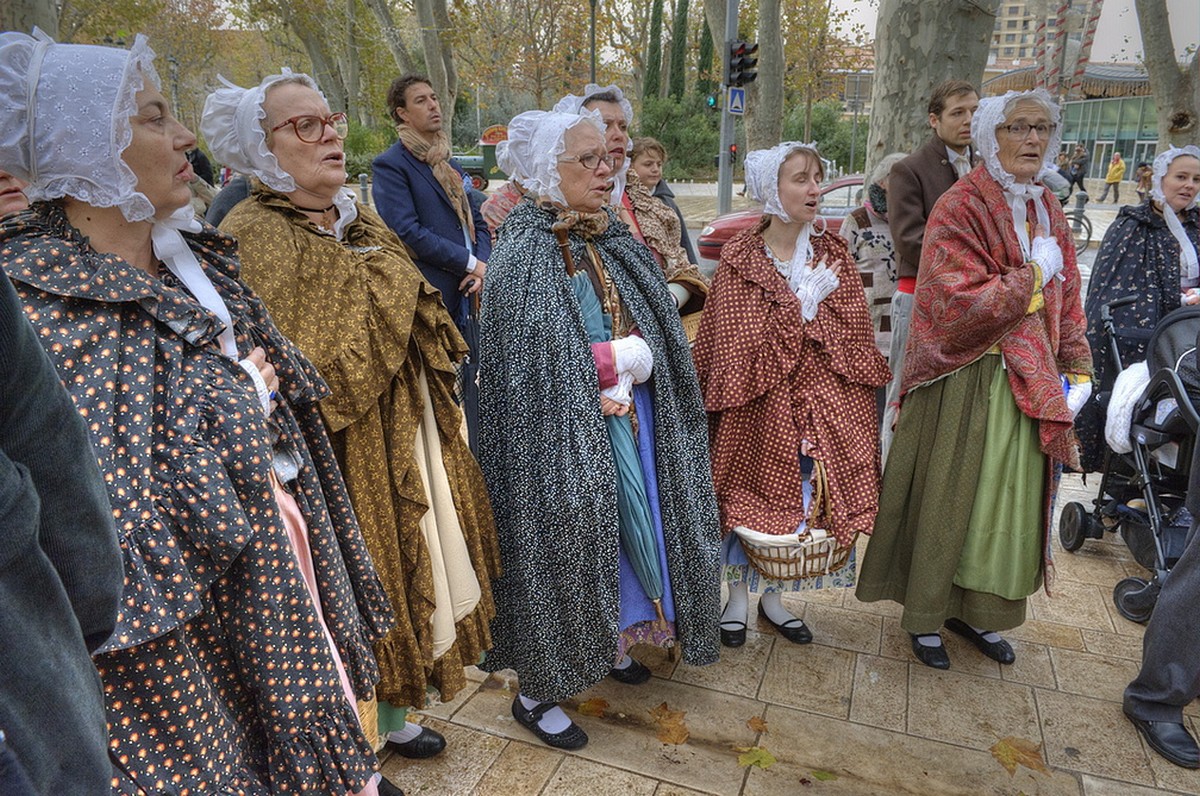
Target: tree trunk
pixel 679 47
pixel 764 119
pixel 24 15
pixel 391 35
pixel 1176 87
pixel 439 60
pixel 353 66
pixel 920 45
pixel 325 68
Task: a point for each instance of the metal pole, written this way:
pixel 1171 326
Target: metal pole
pixel 593 41
pixel 854 104
pixel 725 167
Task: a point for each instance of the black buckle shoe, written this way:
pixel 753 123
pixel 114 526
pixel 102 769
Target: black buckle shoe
pixel 573 737
pixel 387 788
pixel 999 651
pixel 794 630
pixel 427 744
pixel 734 635
pixel 633 674
pixel 1170 740
pixel 934 657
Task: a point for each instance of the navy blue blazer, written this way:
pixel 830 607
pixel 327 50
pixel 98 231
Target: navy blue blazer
pixel 416 207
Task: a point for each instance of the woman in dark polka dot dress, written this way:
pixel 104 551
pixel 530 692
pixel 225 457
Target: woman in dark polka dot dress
pixel 224 675
pixel 788 365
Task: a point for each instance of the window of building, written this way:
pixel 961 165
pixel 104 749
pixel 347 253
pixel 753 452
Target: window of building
pixel 1011 24
pixel 1009 38
pixel 1008 51
pixel 1014 10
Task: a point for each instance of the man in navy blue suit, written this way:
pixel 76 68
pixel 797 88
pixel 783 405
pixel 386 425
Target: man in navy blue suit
pixel 419 192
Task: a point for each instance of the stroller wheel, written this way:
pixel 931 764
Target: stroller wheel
pixel 1073 526
pixel 1135 598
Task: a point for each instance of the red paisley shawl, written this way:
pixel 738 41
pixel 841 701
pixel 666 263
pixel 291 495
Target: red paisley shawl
pixel 973 292
pixel 770 379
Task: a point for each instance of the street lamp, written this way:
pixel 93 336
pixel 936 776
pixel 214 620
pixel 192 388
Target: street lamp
pixel 855 104
pixel 593 2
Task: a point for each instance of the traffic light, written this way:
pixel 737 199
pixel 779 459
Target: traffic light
pixel 733 154
pixel 711 102
pixel 742 63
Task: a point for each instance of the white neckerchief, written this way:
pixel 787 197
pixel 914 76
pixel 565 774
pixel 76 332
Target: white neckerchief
pixel 347 209
pixel 802 255
pixel 960 163
pixel 170 247
pixel 1188 261
pixel 1017 196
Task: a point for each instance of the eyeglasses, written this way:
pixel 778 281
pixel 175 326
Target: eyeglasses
pixel 590 161
pixel 310 129
pixel 1020 130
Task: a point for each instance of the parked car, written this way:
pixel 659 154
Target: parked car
pixel 838 200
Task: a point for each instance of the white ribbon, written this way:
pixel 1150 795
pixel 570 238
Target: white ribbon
pixel 1017 196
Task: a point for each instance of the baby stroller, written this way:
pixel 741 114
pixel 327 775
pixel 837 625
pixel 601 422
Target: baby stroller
pixel 1142 492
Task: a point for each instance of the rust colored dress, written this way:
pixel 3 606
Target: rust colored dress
pixel 360 310
pixel 770 380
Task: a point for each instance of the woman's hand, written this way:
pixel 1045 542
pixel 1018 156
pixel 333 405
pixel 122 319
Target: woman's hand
pixel 1045 252
pixel 1190 296
pixel 610 407
pixel 258 358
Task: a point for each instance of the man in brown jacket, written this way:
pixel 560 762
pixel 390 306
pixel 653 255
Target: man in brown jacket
pixel 914 186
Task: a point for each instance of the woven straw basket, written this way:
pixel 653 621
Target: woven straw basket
pixel 808 554
pixel 368 717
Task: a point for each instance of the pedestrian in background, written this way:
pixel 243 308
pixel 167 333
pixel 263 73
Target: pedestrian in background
pixel 1116 173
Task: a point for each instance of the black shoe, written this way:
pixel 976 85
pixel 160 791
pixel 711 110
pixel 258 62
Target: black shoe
pixel 427 744
pixel 999 651
pixel 734 635
pixel 572 737
pixel 794 630
pixel 931 656
pixel 1170 740
pixel 386 788
pixel 633 674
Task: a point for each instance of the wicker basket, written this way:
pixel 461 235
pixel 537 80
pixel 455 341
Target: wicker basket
pixel 691 325
pixel 808 554
pixel 368 717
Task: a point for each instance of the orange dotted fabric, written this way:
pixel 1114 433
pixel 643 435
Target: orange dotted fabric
pixel 218 678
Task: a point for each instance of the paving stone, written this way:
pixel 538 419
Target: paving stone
pixel 868 761
pixel 739 671
pixel 810 677
pixel 968 710
pixel 1091 736
pixel 1095 786
pixel 576 777
pixel 880 692
pixel 1032 666
pixel 1074 604
pixel 1091 675
pixel 469 753
pixel 521 770
pixel 1116 645
pixel 840 627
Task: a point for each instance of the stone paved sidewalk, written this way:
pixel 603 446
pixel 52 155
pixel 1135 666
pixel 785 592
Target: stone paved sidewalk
pixel 851 713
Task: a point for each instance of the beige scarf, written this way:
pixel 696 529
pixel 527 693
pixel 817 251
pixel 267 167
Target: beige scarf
pixel 437 156
pixel 659 226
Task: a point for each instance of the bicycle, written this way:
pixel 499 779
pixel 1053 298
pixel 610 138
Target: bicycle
pixel 1081 230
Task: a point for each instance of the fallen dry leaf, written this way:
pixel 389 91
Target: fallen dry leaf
pixel 756 756
pixel 1011 752
pixel 824 776
pixel 594 707
pixel 757 723
pixel 671 727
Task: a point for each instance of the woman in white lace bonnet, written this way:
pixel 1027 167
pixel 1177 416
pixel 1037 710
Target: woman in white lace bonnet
pixel 203 419
pixel 788 366
pixel 997 367
pixel 1148 252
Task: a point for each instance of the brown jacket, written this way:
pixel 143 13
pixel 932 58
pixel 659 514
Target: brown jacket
pixel 915 185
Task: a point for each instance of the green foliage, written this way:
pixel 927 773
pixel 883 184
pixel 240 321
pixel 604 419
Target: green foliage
pixel 831 130
pixel 363 144
pixel 653 78
pixel 679 48
pixel 687 130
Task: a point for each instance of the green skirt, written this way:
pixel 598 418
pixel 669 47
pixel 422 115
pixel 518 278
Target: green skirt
pixel 959 530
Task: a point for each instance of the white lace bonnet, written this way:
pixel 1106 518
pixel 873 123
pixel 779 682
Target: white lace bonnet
pixel 64 119
pixel 1189 263
pixel 535 141
pixel 232 126
pixel 762 173
pixel 573 103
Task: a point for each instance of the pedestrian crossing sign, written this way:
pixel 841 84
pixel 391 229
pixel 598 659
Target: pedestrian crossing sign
pixel 736 101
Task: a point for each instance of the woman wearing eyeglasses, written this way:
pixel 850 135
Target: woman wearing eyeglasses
pixel 340 285
pixel 593 438
pixel 997 368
